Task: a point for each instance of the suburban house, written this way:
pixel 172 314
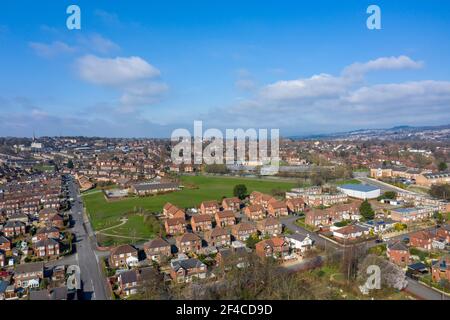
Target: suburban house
pixel 187 269
pixel 218 237
pixel 175 226
pixel 123 256
pixel 46 213
pixel 350 232
pixel 46 233
pixel 225 218
pixel 56 221
pixel 299 243
pixel 242 231
pixel 170 211
pixel 131 281
pixel 398 253
pixel 28 275
pixel 295 205
pixel 209 207
pixel 14 229
pixel 128 282
pixel 277 208
pixel 261 199
pixel 421 239
pixel 276 247
pixel 157 249
pixel 201 222
pixel 440 269
pixel 233 204
pixel 255 212
pixel 189 242
pixel 270 227
pixel 428 179
pixel 46 248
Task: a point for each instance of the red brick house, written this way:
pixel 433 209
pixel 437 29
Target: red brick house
pixel 46 213
pixel 276 247
pixel 157 249
pixel 440 269
pixel 398 253
pixel 225 218
pixel 46 233
pixel 175 226
pixel 270 226
pixel 261 198
pixel 189 242
pixel 201 222
pixel 170 211
pixel 46 248
pixel 209 207
pixel 14 229
pixel 57 221
pixel 255 212
pixel 421 239
pixel 122 256
pixel 242 231
pixel 277 208
pixel 218 237
pixel 186 270
pixel 28 274
pixel 233 204
pixel 295 205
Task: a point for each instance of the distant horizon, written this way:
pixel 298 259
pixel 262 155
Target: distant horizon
pixel 299 136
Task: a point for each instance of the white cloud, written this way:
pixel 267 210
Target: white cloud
pixel 322 85
pixel 383 63
pixel 325 102
pixel 116 71
pixel 52 49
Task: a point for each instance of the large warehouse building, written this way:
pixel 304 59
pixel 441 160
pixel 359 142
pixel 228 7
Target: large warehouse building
pixel 360 191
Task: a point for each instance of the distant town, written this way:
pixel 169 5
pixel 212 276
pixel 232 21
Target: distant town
pixel 107 218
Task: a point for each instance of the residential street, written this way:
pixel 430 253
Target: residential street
pixel 93 281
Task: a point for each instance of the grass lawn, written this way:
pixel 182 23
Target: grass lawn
pixel 301 223
pixel 196 189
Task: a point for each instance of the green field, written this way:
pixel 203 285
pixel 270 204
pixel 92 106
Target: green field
pixel 104 214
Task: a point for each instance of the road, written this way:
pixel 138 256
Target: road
pixel 423 292
pixel 93 282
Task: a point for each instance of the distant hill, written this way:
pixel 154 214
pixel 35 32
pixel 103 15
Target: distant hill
pixel 429 133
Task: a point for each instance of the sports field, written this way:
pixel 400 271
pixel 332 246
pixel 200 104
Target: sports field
pixel 105 214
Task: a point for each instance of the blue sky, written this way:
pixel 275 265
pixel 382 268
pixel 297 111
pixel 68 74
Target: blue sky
pixel 144 68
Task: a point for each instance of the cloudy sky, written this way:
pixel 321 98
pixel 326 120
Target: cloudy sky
pixel 145 68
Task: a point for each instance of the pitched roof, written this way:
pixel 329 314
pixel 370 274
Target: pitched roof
pixel 398 246
pixel 175 221
pixel 29 267
pixel 201 218
pixel 188 237
pixel 156 243
pixel 225 214
pixel 126 248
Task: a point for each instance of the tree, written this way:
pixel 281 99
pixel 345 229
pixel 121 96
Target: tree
pixel 442 166
pixel 366 210
pixel 70 164
pixel 240 191
pixel 390 195
pixel 252 241
pixel 441 191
